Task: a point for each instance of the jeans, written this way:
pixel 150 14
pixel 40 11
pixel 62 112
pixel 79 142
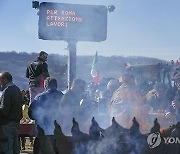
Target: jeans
pixel 9 143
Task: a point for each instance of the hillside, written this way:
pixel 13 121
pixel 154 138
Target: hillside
pixel 113 66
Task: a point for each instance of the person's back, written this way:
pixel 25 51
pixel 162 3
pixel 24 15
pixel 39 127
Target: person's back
pixel 45 107
pixel 127 96
pixel 70 103
pixel 126 101
pixel 37 72
pixel 75 104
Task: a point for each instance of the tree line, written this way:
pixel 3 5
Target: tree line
pixel 108 67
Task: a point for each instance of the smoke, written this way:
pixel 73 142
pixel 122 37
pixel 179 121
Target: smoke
pixel 46 118
pixel 46 110
pixel 114 141
pixel 104 146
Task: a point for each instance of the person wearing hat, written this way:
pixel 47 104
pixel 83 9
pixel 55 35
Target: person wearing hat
pixel 37 72
pixel 176 101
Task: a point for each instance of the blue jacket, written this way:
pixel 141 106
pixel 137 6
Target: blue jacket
pixel 44 109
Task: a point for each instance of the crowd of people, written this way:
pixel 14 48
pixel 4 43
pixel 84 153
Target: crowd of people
pixel 120 98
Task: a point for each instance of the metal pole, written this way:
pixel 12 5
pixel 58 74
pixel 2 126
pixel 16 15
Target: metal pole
pixel 71 61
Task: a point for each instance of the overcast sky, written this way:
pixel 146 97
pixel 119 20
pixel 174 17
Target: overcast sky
pixel 148 28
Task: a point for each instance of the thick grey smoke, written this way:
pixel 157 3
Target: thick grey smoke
pixel 46 111
pixel 115 140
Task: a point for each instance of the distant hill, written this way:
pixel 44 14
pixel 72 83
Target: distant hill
pixel 113 66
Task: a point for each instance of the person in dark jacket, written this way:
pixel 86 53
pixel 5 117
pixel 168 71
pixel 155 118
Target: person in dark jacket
pixel 37 72
pixel 10 115
pixel 44 109
pixel 76 104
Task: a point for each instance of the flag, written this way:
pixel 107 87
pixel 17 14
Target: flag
pixel 94 70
